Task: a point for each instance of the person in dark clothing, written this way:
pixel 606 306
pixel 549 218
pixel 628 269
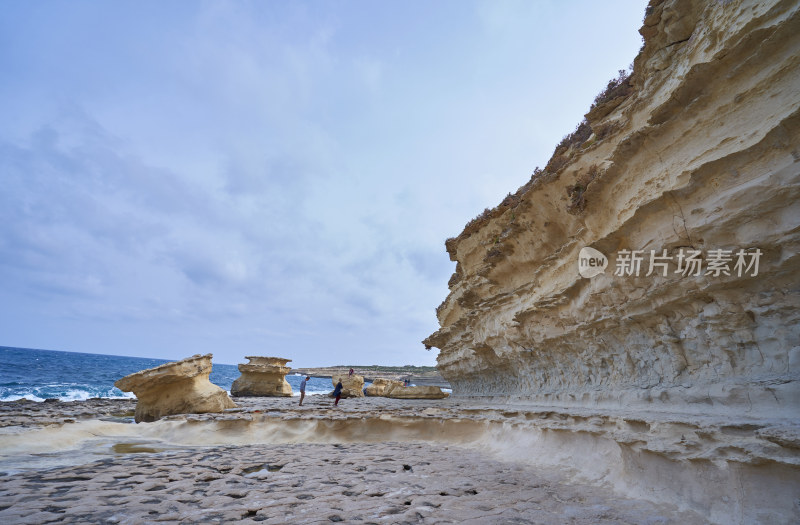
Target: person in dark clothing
pixel 303 389
pixel 337 392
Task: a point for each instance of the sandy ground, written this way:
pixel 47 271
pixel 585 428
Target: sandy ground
pixel 411 481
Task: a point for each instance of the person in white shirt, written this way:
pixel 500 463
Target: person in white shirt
pixel 303 389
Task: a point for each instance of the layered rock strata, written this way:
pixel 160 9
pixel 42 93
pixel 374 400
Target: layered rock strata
pixel 181 387
pixel 352 385
pixel 264 377
pixel 694 171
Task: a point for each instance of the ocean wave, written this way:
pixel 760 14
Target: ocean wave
pixel 313 392
pixel 29 397
pixel 62 392
pixel 74 392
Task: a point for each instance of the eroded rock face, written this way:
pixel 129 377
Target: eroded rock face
pixel 414 392
pixel 380 384
pixel 352 385
pixel 263 376
pixel 181 387
pixel 704 154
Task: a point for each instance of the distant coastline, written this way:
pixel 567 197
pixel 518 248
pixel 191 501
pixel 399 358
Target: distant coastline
pixel 419 375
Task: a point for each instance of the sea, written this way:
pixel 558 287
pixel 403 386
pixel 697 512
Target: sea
pixel 71 376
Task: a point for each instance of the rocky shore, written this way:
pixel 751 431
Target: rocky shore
pixel 379 460
pixel 319 483
pixel 648 393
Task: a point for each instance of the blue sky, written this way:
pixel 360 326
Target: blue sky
pixel 271 178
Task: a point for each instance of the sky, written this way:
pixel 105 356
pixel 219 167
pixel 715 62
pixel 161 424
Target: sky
pixel 271 178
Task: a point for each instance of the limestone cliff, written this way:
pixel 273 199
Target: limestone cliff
pixel 699 152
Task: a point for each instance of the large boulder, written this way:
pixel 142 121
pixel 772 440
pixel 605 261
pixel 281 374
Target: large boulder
pixel 263 377
pixel 352 385
pixel 181 387
pixel 414 392
pixel 379 386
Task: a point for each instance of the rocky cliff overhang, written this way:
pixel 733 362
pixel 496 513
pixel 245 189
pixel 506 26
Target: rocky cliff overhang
pixel 698 159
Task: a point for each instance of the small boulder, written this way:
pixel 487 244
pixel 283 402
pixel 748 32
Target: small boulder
pixel 352 385
pixel 263 377
pixel 414 392
pixel 380 384
pixel 181 387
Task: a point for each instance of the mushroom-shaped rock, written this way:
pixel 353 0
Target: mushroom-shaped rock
pixel 352 385
pixel 181 387
pixel 414 392
pixel 263 376
pixel 380 384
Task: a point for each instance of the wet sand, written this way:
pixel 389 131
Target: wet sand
pixel 240 467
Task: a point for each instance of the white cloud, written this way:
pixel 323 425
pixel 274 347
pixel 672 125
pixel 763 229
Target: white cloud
pixel 272 178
